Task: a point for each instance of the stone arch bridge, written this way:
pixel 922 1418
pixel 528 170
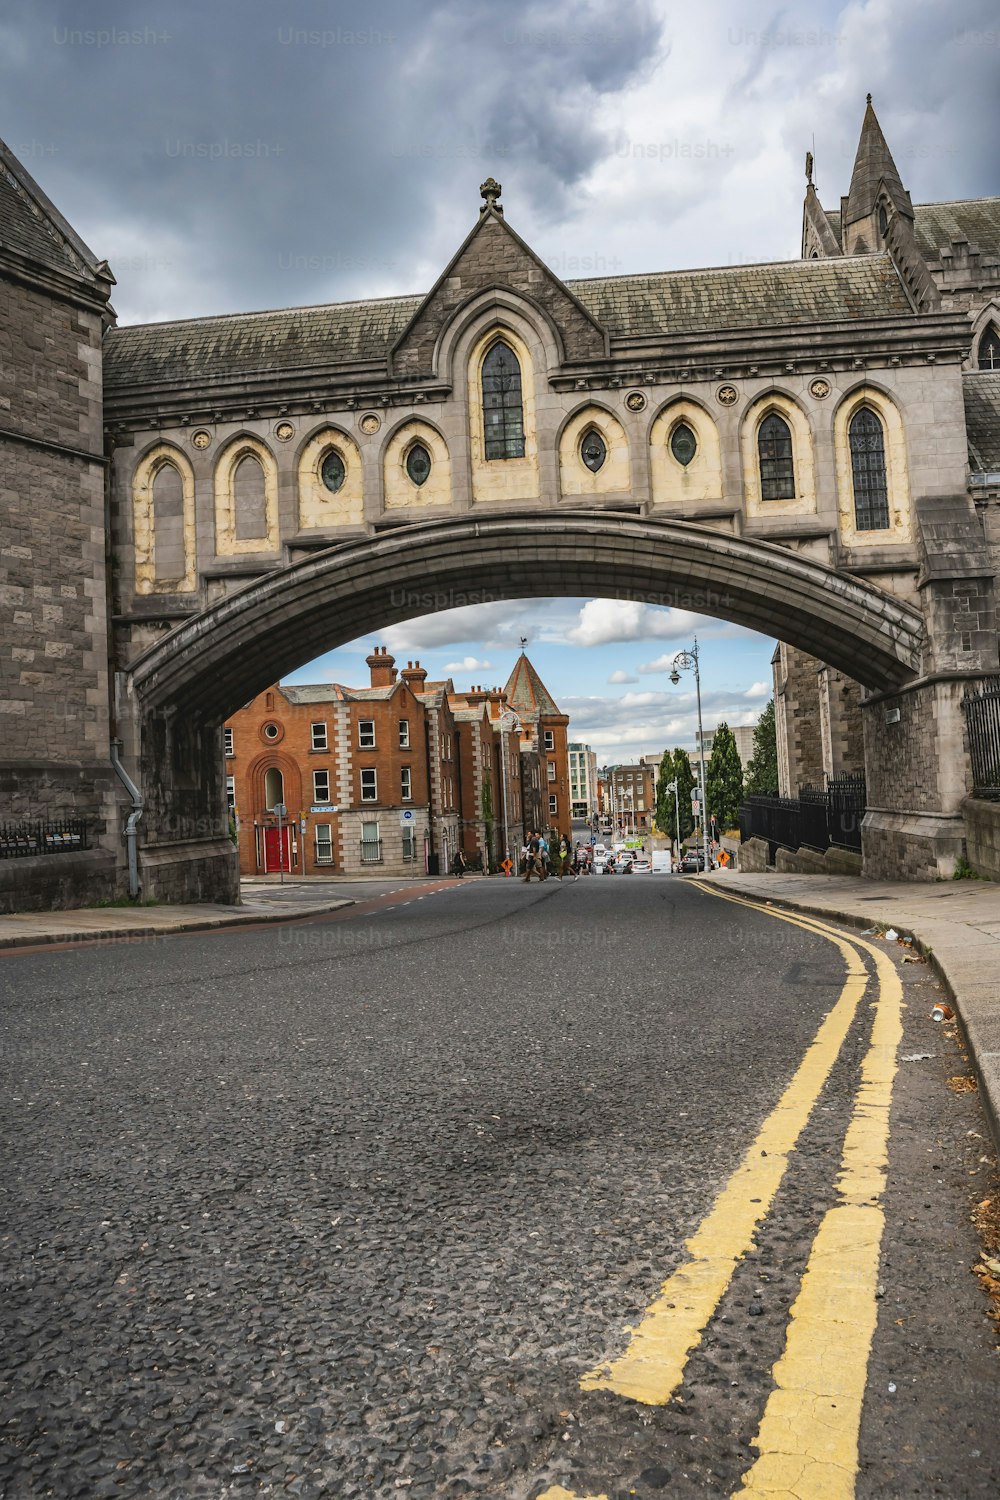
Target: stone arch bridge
pixel 203 505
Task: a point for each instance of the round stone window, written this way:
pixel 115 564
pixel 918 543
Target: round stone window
pixel 683 444
pixel 332 471
pixel 418 464
pixel 593 450
pixel 271 732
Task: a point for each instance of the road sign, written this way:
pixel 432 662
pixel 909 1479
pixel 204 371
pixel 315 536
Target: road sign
pixel 507 866
pixel 407 817
pixel 280 810
pixel 695 805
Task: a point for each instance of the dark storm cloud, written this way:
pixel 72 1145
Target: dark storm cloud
pixel 260 154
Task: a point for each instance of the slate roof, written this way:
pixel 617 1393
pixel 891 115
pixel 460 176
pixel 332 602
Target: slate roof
pixel 313 692
pixel 745 297
pixel 977 220
pixel 235 344
pixel 872 165
pixel 672 302
pixel 982 420
pixel 33 228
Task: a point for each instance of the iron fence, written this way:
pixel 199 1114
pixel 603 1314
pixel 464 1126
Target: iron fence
pixel 982 721
pixel 812 820
pixel 22 840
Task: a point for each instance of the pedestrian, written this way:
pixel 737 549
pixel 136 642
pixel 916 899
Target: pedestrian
pixel 533 859
pixel 543 854
pixel 565 854
pixel 458 863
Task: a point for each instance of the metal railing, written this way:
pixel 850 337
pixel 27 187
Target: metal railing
pixel 982 722
pixel 371 851
pixel 22 840
pixel 813 820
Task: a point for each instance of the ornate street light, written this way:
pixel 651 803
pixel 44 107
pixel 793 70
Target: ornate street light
pixel 685 661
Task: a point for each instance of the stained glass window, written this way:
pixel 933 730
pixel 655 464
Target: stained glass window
pixel 332 471
pixel 418 463
pixel 593 450
pixel 683 444
pixel 774 449
pixel 503 414
pixel 871 495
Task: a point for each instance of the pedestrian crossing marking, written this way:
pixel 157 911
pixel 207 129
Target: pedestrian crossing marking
pixel 652 1367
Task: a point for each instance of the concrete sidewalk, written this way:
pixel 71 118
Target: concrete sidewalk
pixel 955 922
pixel 114 923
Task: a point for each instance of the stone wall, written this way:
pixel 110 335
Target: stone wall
pixel 982 836
pixel 54 708
pixel 55 882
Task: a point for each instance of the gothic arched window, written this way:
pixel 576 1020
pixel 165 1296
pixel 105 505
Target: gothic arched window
pixel 883 221
pixel 593 450
pixel 774 450
pixel 169 561
pixel 250 497
pixel 988 354
pixel 871 495
pixel 503 413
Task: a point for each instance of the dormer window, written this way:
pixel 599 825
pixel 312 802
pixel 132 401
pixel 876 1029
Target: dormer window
pixel 503 413
pixel 988 355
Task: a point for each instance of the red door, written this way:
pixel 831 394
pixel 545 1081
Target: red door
pixel 276 855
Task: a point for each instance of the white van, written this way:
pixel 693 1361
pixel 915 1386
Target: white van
pixel 662 862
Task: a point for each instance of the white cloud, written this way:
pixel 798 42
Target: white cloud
pixel 603 621
pixel 759 690
pixel 468 664
pixel 621 677
pixel 661 664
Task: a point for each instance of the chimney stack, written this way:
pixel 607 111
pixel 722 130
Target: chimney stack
pixel 382 667
pixel 414 675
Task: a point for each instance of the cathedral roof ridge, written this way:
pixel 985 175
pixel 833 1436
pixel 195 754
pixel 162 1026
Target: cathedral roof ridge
pixel 734 266
pixel 270 312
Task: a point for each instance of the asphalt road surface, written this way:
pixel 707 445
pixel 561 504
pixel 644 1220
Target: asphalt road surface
pixel 478 1188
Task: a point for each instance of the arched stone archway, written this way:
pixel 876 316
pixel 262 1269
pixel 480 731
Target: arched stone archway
pixel 181 689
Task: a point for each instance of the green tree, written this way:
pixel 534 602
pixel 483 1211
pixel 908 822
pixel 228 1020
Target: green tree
pixel 675 767
pixel 487 803
pixel 762 772
pixel 724 774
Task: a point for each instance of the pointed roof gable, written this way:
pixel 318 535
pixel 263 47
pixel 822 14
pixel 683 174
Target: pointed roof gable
pixel 494 256
pixel 35 236
pixel 527 694
pixel 874 165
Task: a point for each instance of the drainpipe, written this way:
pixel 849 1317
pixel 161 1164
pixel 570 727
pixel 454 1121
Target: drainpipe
pixel 134 816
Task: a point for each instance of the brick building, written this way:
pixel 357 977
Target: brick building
pixel 396 776
pixel 633 791
pixel 544 736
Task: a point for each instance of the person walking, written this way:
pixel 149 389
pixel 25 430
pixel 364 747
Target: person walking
pixel 533 859
pixel 565 855
pixel 458 863
pixel 543 854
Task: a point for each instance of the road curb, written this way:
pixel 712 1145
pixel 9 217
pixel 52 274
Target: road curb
pixel 978 1018
pixel 185 924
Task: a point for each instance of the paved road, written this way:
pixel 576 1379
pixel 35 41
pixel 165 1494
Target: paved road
pixel 405 1201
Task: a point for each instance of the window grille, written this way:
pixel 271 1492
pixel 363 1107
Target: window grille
pixel 774 449
pixel 871 496
pixel 503 413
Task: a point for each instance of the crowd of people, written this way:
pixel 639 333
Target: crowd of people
pixel 544 857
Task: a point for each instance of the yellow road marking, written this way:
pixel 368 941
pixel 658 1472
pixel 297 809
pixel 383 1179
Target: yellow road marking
pixel 558 1493
pixel 808 1436
pixel 652 1367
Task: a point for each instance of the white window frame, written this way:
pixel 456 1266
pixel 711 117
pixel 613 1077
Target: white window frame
pixel 553 804
pixel 318 778
pixel 364 743
pixel 405 784
pixel 318 735
pixel 227 742
pixel 231 793
pixel 550 739
pixel 409 846
pixel 552 770
pixel 369 790
pixel 404 734
pixel 324 843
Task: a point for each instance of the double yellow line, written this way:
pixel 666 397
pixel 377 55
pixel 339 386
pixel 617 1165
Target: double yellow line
pixel 808 1435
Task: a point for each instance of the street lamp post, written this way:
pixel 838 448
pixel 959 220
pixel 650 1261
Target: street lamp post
pixel 672 787
pixel 507 720
pixel 684 661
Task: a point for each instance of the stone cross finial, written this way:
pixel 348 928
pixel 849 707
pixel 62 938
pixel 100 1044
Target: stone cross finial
pixel 809 167
pixel 491 191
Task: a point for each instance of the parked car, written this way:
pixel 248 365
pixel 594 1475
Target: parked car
pixel 692 862
pixel 642 866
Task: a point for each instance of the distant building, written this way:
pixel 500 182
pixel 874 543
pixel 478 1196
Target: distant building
pixel 583 783
pixel 743 735
pixel 544 732
pixel 633 797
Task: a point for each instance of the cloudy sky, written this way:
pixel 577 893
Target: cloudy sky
pixel 241 154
